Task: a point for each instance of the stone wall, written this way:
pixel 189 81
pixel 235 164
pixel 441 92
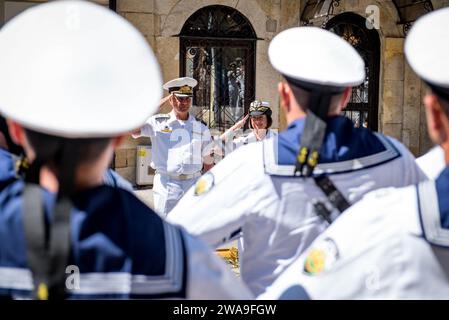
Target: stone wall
pixel 162 20
pixel 401 113
pixel 437 4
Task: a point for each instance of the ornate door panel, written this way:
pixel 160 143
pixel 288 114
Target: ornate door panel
pixel 217 46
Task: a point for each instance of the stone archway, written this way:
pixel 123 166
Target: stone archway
pixel 217 48
pixel 182 10
pixel 363 107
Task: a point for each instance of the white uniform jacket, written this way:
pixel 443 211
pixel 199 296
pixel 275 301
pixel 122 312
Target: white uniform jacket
pixel 393 244
pixel 253 191
pixel 178 151
pixel 122 249
pixel 178 146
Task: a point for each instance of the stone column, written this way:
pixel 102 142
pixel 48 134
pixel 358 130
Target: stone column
pixel 290 15
pixel 141 15
pixel 393 88
pixel 412 110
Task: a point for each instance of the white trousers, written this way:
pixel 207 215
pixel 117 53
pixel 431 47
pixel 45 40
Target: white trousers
pixel 168 191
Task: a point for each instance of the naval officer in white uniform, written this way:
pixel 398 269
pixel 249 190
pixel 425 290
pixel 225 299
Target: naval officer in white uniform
pixel 278 195
pixel 393 244
pixel 180 144
pixel 260 121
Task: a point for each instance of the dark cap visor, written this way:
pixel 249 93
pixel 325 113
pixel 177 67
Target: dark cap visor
pixel 256 113
pixel 183 95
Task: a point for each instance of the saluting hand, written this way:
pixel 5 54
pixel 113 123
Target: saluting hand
pixel 238 125
pixel 170 98
pixel 241 122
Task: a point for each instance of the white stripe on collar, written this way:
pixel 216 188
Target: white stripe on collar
pixel 16 278
pixel 430 214
pixel 272 168
pixel 125 283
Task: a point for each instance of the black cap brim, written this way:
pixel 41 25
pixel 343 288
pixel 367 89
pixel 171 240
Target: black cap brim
pixel 183 95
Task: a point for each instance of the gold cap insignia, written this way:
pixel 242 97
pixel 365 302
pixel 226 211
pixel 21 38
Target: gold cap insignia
pixel 204 184
pixel 321 257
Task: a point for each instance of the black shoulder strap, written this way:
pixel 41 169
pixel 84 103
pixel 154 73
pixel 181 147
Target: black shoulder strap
pixel 48 246
pixel 59 248
pixel 36 237
pixel 334 196
pixel 313 134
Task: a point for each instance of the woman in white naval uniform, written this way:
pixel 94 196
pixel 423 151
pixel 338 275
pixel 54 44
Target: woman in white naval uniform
pixel 260 121
pixel 180 146
pixel 87 240
pixel 256 190
pixel 394 243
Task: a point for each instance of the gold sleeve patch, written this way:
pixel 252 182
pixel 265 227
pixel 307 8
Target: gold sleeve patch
pixel 204 184
pixel 321 257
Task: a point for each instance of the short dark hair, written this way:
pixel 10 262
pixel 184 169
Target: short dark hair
pixel 63 156
pixel 269 121
pixel 302 97
pixel 442 100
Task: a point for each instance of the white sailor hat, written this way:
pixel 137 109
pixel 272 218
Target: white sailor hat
pixel 181 87
pixel 316 58
pixel 258 107
pixel 426 49
pixel 75 69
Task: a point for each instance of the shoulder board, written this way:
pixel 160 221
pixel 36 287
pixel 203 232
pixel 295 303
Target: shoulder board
pixel 162 116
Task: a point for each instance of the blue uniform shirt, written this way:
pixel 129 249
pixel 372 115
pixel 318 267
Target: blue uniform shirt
pixel 342 142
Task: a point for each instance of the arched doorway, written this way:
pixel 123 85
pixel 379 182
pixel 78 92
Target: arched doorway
pixel 217 47
pixel 363 107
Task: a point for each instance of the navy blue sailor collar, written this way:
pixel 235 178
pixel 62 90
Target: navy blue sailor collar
pixel 442 188
pixel 345 148
pixel 433 206
pixel 109 228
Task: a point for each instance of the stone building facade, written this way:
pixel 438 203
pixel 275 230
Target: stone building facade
pixel 398 96
pixel 161 22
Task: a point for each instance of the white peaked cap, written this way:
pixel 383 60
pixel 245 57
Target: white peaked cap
pixel 261 103
pixel 316 56
pixel 75 69
pixel 179 82
pixel 427 47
